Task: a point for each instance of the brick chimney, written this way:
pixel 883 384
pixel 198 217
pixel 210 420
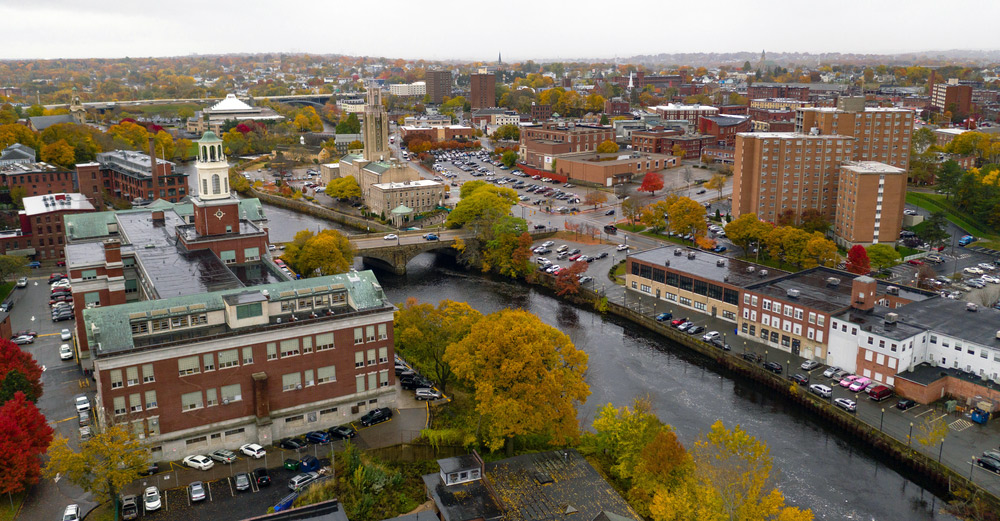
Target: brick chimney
pixel 863 293
pixel 112 251
pixel 152 167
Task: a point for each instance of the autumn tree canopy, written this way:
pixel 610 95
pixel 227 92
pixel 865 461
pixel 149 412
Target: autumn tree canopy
pixel 857 260
pixel 651 182
pixel 423 334
pixel 104 465
pixel 326 253
pixel 21 366
pixel 24 437
pixel 526 377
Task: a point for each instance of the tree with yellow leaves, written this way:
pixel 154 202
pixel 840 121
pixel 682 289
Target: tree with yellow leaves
pixel 104 464
pixel 688 216
pixel 526 376
pixel 717 182
pixel 59 153
pixel 423 334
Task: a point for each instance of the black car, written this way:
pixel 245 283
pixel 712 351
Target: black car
pixel 261 477
pixel 539 226
pixel 752 357
pixel 696 330
pixel 7 305
pixel 60 318
pixel 376 416
pixel 800 379
pixel 342 432
pixel 410 384
pixel 905 404
pixel 574 251
pixel 153 468
pixel 292 443
pixel 717 342
pixel 989 464
pixel 774 367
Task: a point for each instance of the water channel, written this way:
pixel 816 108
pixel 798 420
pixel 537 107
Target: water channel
pixel 815 467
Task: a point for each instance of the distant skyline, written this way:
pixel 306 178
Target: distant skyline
pixel 452 30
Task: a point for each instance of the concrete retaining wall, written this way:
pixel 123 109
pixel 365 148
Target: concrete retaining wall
pixel 318 211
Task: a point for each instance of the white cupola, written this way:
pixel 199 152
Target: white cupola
pixel 213 169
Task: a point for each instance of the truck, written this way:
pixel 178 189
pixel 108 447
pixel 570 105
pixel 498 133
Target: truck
pixel 966 240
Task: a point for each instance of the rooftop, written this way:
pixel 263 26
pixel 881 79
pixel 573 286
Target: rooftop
pixel 926 374
pixel 872 167
pixel 27 168
pixel 791 135
pixel 705 265
pixel 422 183
pixel 231 104
pixel 128 161
pixel 727 121
pixel 56 203
pixel 818 290
pixel 953 318
pixel 679 106
pixel 330 510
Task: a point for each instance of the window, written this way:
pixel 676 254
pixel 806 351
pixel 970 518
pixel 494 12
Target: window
pixel 291 381
pixel 287 306
pixel 119 404
pixel 150 399
pixel 383 378
pixel 699 306
pixel 229 358
pixel 244 311
pixel 798 314
pixel 191 401
pixel 139 328
pixel 147 373
pixel 767 305
pixel 359 382
pixel 211 397
pixel 294 419
pixel 116 379
pixel 289 347
pixel 309 378
pixel 176 322
pixel 132 376
pixel 370 333
pixel 324 341
pixel 359 335
pixel 231 393
pixel 372 383
pixel 88 274
pixel 251 254
pixel 933 339
pixel 272 351
pixel 820 320
pixel 161 324
pixel 382 335
pixel 371 357
pixel 700 287
pixel 228 256
pixel 326 374
pixel 209 362
pixel 305 303
pixel 247 355
pixel 788 310
pixel 199 320
pixel 359 359
pixel 383 355
pixel 188 365
pixel 730 296
pixel 685 301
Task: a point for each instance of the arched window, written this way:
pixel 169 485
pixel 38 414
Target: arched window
pixel 204 153
pixel 204 186
pixel 215 184
pixel 211 153
pixel 220 152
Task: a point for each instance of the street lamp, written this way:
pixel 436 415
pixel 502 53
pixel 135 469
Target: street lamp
pixel 940 451
pixel 909 437
pixel 881 419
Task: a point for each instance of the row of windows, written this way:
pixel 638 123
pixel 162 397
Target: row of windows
pixel 700 287
pixel 131 376
pixel 210 397
pixel 158 324
pixel 135 403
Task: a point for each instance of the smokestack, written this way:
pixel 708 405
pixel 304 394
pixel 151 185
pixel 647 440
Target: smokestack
pixel 930 86
pixel 152 166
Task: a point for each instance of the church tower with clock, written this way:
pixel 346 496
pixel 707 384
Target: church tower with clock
pixel 216 211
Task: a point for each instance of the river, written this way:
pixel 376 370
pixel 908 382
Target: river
pixel 814 467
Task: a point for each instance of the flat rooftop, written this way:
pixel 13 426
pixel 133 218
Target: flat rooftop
pixel 705 265
pixel 871 167
pixel 818 292
pixel 28 168
pixel 40 204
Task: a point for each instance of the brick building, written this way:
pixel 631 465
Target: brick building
pixel 610 169
pixel 131 175
pixel 40 236
pixel 38 178
pixel 435 134
pixel 639 80
pixel 540 143
pixel 483 93
pixel 723 128
pixel 689 113
pixel 616 107
pixel 540 112
pixel 777 90
pixel 870 196
pixel 438 85
pixel 880 134
pixel 663 142
pixel 779 103
pixel 952 97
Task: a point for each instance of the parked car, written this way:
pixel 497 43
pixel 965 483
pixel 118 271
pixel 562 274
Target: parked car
pixel 427 393
pixel 82 403
pixel 846 404
pixel 879 393
pixel 718 342
pixel 774 367
pixel 390 237
pixel 859 384
pixel 302 480
pixel 151 469
pixel 198 461
pixel 223 456
pixel 71 513
pixel 623 247
pixel 292 443
pixel 711 335
pixel 848 380
pixel 253 450
pixel 196 491
pixel 65 334
pixel 376 416
pixel 678 321
pixel 905 404
pixel 130 507
pixel 151 499
pixel 22 282
pixel 318 437
pixel 242 481
pixel 261 477
pixel 342 432
pixel 821 390
pixel 685 326
pixel 65 352
pixel 23 339
pixel 696 330
pixel 663 317
pixel 800 379
pixel 988 463
pixel 830 371
pixel 809 365
pixel 7 305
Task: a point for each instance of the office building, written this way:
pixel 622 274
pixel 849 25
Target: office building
pixel 36 178
pixel 40 234
pixel 438 85
pixel 484 90
pixel 539 144
pixel 689 113
pixel 417 88
pixel 132 177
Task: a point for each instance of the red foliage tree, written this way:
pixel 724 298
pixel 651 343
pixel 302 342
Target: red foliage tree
pixel 857 260
pixel 13 358
pixel 24 437
pixel 567 281
pixel 651 183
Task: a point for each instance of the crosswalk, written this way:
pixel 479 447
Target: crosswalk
pixel 985 251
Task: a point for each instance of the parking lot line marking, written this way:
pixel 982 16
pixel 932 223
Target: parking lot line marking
pixel 923 413
pixel 49 334
pixel 939 417
pixel 62 420
pixel 209 486
pixel 231 491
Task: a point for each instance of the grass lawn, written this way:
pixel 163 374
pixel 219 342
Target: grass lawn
pixel 8 511
pixel 171 108
pixel 634 228
pixel 938 203
pixel 5 290
pixel 620 274
pixel 905 251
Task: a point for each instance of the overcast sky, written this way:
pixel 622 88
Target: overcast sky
pixel 478 30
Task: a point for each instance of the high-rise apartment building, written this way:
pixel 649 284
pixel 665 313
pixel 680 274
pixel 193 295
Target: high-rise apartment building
pixel 880 134
pixel 438 85
pixel 484 90
pixel 952 97
pixel 778 171
pixel 870 198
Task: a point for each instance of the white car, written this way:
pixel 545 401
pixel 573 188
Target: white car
pixel 72 513
pixel 623 247
pixel 65 334
pixel 991 279
pixel 64 283
pixel 82 403
pixel 151 499
pixel 253 450
pixel 391 237
pixel 986 266
pixel 548 244
pixel 65 352
pixel 973 270
pixel 711 335
pixel 199 462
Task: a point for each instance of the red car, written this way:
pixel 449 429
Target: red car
pixel 61 264
pixel 915 262
pixel 575 257
pixel 678 321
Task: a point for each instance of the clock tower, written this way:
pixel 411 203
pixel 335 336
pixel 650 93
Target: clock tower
pixel 216 211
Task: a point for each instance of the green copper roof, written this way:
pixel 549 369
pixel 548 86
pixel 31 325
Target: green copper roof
pixel 379 167
pixel 209 137
pixel 351 158
pixel 401 209
pixel 90 225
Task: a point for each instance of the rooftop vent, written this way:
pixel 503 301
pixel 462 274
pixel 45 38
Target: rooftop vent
pixel 891 318
pixel 892 290
pixel 751 269
pixel 763 273
pixel 794 293
pixel 690 254
pixel 720 262
pixel 971 306
pixel 678 252
pixel 666 262
pixel 998 334
pixel 833 281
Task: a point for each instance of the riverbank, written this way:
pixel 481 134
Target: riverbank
pixel 313 210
